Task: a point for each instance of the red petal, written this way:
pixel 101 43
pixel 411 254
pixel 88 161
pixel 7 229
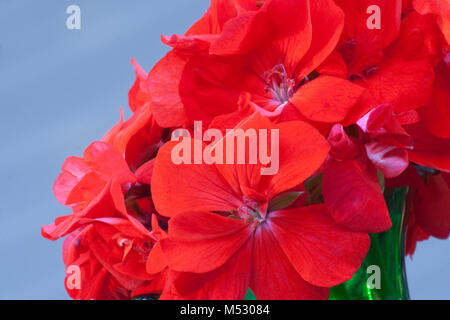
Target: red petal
pixel 163 83
pixel 414 235
pixel 156 261
pixel 290 22
pixel 302 151
pixel 84 178
pixel 210 86
pixel 420 39
pixel 439 8
pixel 202 26
pixel 354 197
pixel 322 252
pixel 432 206
pixel 187 187
pixel 245 178
pixel 229 282
pixel 195 43
pixel 138 95
pixel 390 160
pixel 429 150
pixel 222 11
pixel 283 24
pixel 121 134
pixel 436 115
pixel 327 99
pixel 343 147
pixel 376 119
pixel 202 242
pixel 406 85
pixel 145 172
pixel 241 34
pixel 108 203
pixel 66 181
pixel 274 277
pixel 324 37
pixel 368 44
pixel 106 160
pixel 334 66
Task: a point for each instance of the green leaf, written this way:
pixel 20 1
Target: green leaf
pixel 283 201
pixel 147 297
pixel 381 180
pixel 249 295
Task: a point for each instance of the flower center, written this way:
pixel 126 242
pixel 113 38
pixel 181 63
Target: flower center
pixel 259 4
pixel 279 85
pixel 249 212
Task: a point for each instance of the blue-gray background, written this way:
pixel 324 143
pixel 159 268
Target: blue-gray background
pixel 60 90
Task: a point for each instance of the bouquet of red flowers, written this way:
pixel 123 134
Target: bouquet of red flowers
pixel 265 154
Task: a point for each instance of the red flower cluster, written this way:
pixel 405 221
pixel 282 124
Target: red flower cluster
pixel 351 98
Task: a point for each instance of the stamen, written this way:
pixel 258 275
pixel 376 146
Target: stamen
pixel 278 84
pixel 253 204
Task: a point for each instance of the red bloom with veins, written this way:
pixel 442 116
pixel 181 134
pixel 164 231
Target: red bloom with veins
pixel 436 115
pixel 363 47
pixel 138 138
pixel 428 204
pixel 84 181
pixel 440 9
pixel 351 189
pixel 111 254
pixel 404 77
pixel 385 140
pixel 431 205
pixel 393 117
pixel 267 49
pixel 110 236
pixel 138 95
pixel 224 225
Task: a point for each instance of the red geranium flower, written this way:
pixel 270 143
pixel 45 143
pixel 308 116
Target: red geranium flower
pixel 385 140
pixel 351 189
pixel 404 78
pixel 138 95
pixel 224 225
pixel 428 204
pixel 140 137
pixel 438 8
pixel 83 183
pixel 363 47
pixel 429 150
pixel 141 224
pixel 110 237
pixel 399 81
pixel 112 254
pixel 436 115
pixel 267 50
